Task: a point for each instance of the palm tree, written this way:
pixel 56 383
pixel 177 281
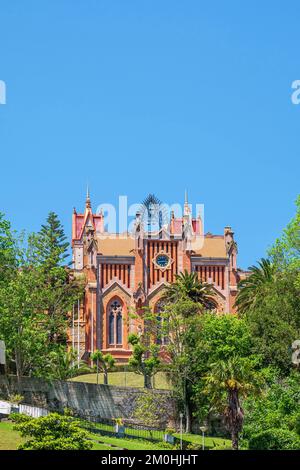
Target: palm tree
pixel 188 286
pixel 227 382
pixel 63 365
pixel 103 361
pixel 253 289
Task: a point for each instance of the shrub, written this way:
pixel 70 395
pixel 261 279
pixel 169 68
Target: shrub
pixel 19 418
pixel 167 446
pixel 15 398
pixel 119 421
pixel 53 432
pixel 221 446
pixel 275 439
pixel 193 446
pixel 297 424
pixel 170 431
pixel 68 411
pixel 152 409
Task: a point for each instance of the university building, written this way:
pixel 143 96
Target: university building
pixel 125 272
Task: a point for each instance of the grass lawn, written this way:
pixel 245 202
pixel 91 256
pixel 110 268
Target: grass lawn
pixel 123 379
pixel 98 446
pixel 139 444
pixel 9 439
pixel 209 442
pixel 143 434
pixel 130 444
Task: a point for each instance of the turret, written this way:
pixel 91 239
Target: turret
pixel 231 247
pixel 88 199
pixel 187 225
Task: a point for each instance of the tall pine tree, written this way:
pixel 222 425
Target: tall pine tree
pixel 60 289
pixel 8 250
pixel 52 243
pixel 37 292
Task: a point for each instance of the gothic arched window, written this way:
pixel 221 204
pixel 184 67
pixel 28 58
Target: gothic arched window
pixel 161 335
pixel 115 323
pixel 159 328
pixel 111 328
pixel 119 328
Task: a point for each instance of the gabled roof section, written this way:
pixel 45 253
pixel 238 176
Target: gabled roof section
pixel 109 244
pixel 83 220
pixel 116 283
pixel 156 288
pixel 178 223
pixel 213 247
pixel 116 245
pixel 88 219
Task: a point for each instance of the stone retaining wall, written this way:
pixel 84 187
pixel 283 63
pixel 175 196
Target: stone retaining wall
pixel 101 401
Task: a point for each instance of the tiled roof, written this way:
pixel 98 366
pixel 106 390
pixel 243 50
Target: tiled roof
pixel 213 247
pixel 122 245
pixel 116 245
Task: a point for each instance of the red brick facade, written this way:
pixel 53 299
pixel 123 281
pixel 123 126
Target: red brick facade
pixel 126 272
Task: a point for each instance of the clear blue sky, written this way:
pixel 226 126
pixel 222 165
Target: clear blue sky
pixel 152 96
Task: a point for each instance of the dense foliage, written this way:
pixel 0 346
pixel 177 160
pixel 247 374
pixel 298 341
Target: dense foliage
pixel 148 408
pixel 145 359
pixel 236 366
pixel 275 439
pixel 103 362
pixel 188 286
pixel 278 407
pixel 37 292
pixel 52 432
pixel 240 365
pixel 270 299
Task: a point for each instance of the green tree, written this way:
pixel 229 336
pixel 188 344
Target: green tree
pixel 57 299
pixel 275 439
pixel 35 299
pixel 285 253
pixel 21 322
pixel 277 408
pixel 53 432
pixel 188 286
pixel 212 338
pixel 104 362
pixel 8 250
pixel 275 321
pixel 59 288
pixel 61 364
pixel 195 341
pixel 269 299
pixel 178 319
pixel 51 245
pixel 228 381
pixel 148 409
pixel 145 359
pixel 256 286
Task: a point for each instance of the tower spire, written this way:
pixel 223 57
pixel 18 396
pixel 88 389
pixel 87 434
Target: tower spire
pixel 88 199
pixel 186 204
pixel 186 197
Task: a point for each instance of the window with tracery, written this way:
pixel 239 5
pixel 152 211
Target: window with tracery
pixel 119 328
pixel 162 337
pixel 111 328
pixel 115 323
